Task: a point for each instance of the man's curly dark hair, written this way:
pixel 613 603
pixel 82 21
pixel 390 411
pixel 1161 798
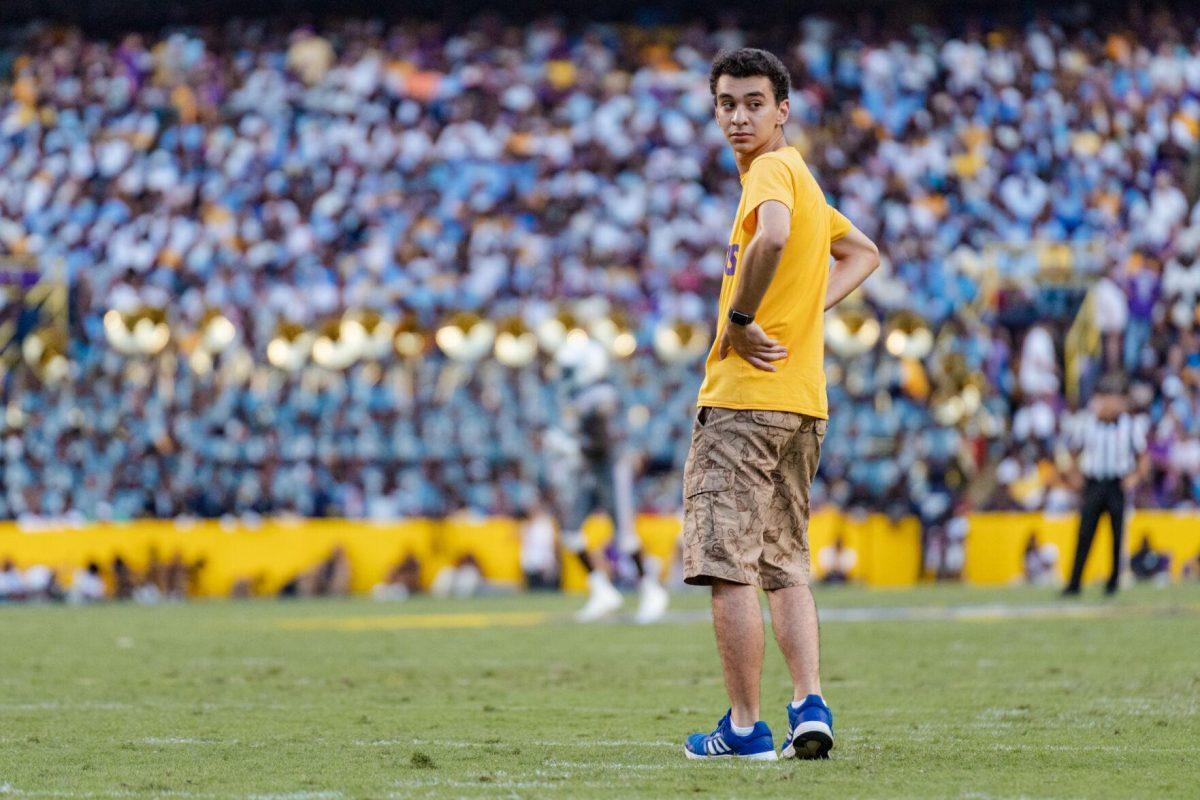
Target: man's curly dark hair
pixel 750 62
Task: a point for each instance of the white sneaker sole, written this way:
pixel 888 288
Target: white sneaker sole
pixel 810 740
pixel 769 755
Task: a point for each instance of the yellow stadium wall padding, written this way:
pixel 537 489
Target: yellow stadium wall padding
pixel 272 553
pixel 268 555
pixel 996 542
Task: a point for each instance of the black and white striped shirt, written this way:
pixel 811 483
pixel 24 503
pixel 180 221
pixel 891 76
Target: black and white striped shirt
pixel 1110 449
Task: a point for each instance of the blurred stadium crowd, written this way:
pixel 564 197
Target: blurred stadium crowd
pixel 286 248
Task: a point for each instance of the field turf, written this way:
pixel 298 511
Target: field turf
pixel 938 692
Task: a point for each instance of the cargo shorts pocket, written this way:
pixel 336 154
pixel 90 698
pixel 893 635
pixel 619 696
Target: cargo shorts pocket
pixel 707 505
pixel 708 480
pixel 813 425
pixel 714 521
pixel 777 419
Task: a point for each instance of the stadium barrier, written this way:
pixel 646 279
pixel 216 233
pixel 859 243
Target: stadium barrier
pixel 995 547
pixel 272 553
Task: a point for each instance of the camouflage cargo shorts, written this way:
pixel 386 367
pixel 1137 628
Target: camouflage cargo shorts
pixel 746 488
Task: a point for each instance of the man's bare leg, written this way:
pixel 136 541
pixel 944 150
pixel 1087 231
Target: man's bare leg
pixel 794 619
pixel 737 619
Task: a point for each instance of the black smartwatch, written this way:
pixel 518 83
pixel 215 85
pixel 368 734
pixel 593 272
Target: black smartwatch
pixel 738 318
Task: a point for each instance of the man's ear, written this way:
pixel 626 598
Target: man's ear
pixel 785 109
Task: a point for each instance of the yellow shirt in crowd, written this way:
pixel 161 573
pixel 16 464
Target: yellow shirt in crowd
pixel 793 309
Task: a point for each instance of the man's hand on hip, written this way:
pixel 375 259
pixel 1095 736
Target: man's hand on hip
pixel 751 343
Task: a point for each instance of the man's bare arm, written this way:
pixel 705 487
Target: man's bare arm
pixel 855 257
pixel 759 263
pixel 762 255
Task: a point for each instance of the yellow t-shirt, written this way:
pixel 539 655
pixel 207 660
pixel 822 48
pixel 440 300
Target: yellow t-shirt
pixel 793 309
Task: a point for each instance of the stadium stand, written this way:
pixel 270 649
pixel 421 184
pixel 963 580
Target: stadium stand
pixel 265 229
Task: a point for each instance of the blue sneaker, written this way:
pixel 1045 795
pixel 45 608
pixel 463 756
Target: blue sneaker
pixel 810 729
pixel 724 743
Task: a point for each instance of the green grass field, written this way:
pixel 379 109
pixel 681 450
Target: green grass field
pixel 938 692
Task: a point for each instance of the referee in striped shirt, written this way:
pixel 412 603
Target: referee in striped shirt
pixel 1111 446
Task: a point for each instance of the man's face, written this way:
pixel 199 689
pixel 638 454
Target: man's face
pixel 747 111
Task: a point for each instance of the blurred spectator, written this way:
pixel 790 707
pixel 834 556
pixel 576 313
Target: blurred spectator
pixel 1148 564
pixel 179 576
pixel 329 578
pixel 401 583
pixel 147 592
pixel 1039 364
pixel 154 579
pixel 1112 318
pixel 1191 568
pixel 248 586
pixel 12 582
pixel 125 582
pixel 935 510
pixel 462 579
pixel 1143 286
pixel 954 556
pixel 539 555
pixel 1041 562
pixel 836 561
pixel 87 585
pixel 41 583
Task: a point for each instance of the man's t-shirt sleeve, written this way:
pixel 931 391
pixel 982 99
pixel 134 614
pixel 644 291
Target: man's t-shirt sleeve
pixel 839 226
pixel 768 179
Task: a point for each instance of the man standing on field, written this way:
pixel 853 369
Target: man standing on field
pixel 763 413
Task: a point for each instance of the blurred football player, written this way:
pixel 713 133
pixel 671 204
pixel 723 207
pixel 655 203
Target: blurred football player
pixel 592 472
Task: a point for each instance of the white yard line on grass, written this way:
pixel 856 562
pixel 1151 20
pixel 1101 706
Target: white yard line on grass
pixel 610 711
pixel 141 705
pixel 962 613
pixel 8 790
pixel 457 743
pixel 621 765
pixel 988 612
pixel 1091 748
pixel 492 782
pixel 55 705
